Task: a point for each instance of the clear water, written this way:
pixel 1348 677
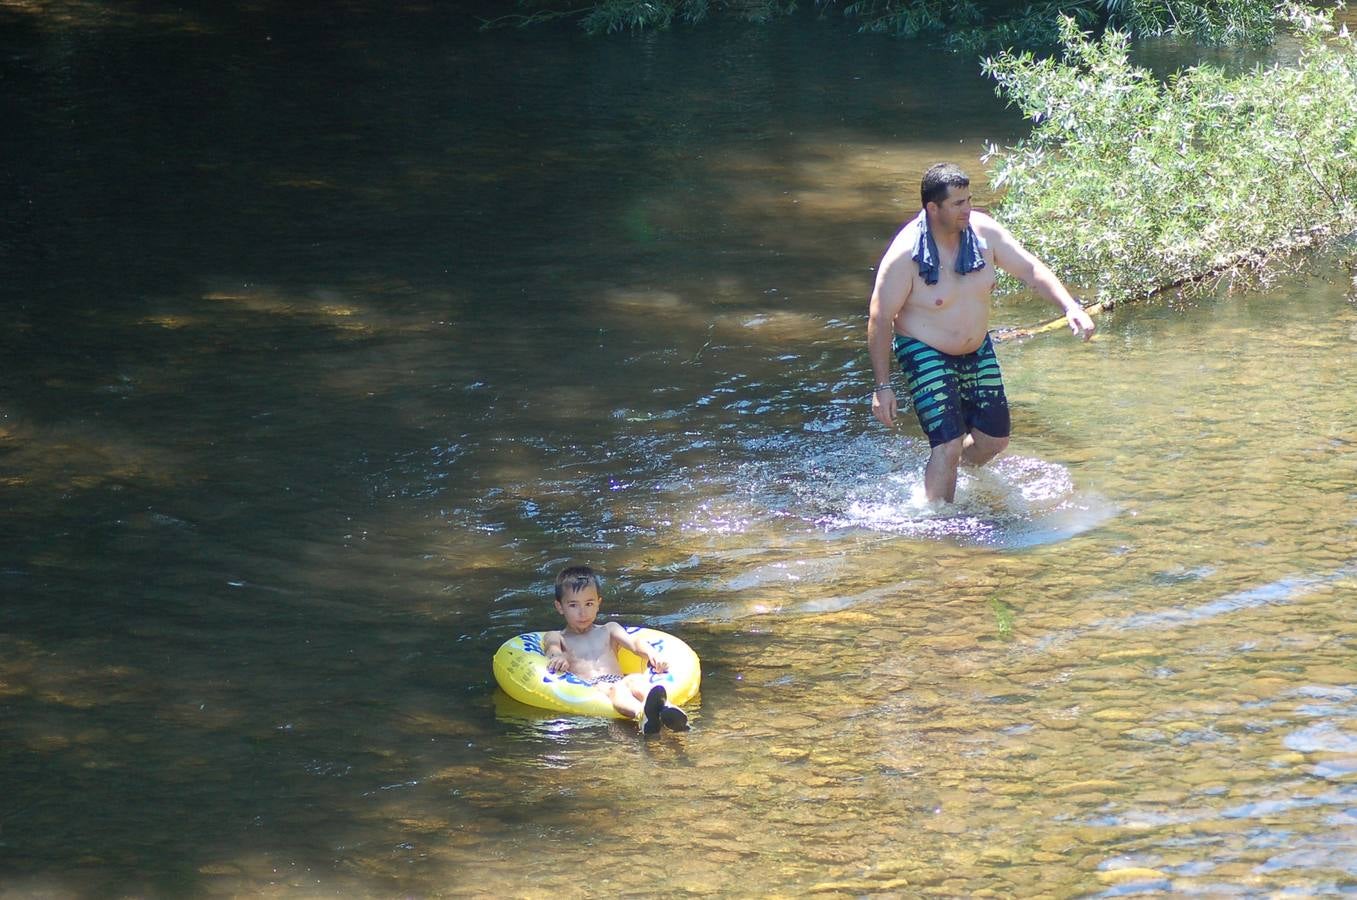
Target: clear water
pixel 331 336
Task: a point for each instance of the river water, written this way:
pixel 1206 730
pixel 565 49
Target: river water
pixel 330 336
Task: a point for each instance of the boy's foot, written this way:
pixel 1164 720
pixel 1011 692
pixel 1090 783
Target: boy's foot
pixel 674 718
pixel 650 715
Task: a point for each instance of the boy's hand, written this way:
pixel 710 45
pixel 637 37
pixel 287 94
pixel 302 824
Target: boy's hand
pixel 656 663
pixel 557 663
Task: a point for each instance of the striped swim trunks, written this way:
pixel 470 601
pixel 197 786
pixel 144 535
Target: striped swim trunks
pixel 953 394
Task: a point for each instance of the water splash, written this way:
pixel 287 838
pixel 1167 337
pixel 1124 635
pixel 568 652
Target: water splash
pixel 875 484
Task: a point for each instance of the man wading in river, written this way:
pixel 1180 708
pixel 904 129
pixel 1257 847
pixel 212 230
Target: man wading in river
pixel 930 306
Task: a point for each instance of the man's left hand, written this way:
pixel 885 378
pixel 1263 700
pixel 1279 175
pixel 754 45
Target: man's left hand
pixel 1080 323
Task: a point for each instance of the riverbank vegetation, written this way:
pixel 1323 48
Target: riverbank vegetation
pixel 961 24
pixel 1128 184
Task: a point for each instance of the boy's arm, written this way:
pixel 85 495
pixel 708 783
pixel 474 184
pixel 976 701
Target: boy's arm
pixel 641 648
pixel 555 651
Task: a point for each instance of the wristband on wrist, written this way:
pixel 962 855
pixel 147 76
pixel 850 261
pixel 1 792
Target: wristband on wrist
pixel 881 387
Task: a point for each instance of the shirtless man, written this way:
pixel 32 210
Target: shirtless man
pixel 930 308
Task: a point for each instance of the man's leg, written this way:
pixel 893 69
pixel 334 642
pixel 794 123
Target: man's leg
pixel 982 391
pixel 975 449
pixel 979 448
pixel 936 396
pixel 940 474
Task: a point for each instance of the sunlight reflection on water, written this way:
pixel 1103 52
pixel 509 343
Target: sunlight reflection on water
pixel 875 485
pixel 325 503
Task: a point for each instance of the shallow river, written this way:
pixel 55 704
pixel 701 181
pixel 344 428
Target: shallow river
pixel 329 338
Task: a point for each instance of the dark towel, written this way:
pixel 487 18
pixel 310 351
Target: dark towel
pixel 968 258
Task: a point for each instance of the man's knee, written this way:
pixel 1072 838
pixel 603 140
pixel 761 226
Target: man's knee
pixel 996 445
pixel 950 452
pixel 985 447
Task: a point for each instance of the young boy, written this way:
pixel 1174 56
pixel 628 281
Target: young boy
pixel 589 652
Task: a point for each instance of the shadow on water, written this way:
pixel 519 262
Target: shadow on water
pixel 331 335
pixel 275 332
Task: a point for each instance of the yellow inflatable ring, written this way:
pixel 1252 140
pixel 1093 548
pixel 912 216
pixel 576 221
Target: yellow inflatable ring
pixel 521 669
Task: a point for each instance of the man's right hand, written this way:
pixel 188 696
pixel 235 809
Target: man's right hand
pixel 883 405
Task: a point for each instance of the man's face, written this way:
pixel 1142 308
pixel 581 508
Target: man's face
pixel 954 212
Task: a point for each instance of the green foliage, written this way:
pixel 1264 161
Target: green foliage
pixel 912 18
pixel 1127 185
pixel 960 24
pixel 968 26
pixel 1212 21
pixel 608 16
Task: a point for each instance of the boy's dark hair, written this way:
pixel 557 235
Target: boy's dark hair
pixel 940 177
pixel 577 578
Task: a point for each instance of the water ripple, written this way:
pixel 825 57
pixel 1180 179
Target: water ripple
pixel 1281 591
pixel 1274 593
pixel 872 484
pixel 1322 737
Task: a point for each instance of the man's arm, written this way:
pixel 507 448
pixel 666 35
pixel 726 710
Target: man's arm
pixel 1014 259
pixel 893 282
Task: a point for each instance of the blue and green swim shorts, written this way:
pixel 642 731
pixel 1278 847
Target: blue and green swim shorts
pixel 953 394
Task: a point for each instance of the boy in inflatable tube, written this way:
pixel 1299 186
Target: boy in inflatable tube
pixel 589 652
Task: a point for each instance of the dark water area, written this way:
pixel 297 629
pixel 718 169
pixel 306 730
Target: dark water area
pixel 332 332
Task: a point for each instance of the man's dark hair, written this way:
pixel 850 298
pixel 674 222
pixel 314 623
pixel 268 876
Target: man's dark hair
pixel 940 177
pixel 576 578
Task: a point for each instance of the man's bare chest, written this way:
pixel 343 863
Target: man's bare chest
pixel 952 290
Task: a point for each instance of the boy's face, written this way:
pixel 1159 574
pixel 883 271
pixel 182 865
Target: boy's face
pixel 580 608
